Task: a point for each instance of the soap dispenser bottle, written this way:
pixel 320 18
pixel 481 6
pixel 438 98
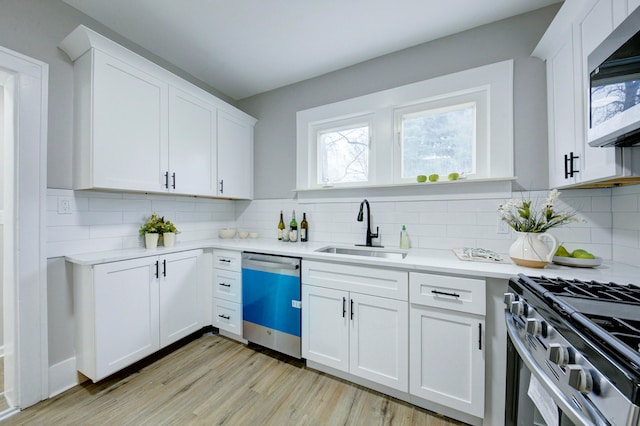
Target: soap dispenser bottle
pixel 404 238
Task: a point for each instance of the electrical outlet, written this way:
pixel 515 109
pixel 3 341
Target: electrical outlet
pixel 64 205
pixel 502 227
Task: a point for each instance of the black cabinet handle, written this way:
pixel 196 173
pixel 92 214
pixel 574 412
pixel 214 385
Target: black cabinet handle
pixel 569 167
pixel 344 307
pixel 157 269
pixel 352 309
pixel 224 284
pixel 443 293
pixel 166 180
pixel 566 166
pixel 480 336
pixel 164 268
pixel 222 186
pixel 224 316
pixel 173 176
pixel 225 260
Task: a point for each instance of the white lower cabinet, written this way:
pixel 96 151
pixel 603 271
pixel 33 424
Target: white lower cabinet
pixel 360 334
pixel 227 292
pixel 129 309
pixel 447 355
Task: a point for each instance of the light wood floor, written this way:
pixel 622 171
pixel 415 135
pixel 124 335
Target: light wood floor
pixel 216 381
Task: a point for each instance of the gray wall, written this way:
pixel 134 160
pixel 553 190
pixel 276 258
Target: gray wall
pixel 513 38
pixel 35 28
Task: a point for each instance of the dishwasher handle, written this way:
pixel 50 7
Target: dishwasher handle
pixel 247 263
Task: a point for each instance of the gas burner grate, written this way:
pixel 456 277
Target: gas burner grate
pixel 628 293
pixel 625 330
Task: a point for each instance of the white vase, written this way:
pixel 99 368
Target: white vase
pixel 169 239
pixel 151 240
pixel 529 250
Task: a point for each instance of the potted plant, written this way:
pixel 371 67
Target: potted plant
pixel 169 232
pixel 151 231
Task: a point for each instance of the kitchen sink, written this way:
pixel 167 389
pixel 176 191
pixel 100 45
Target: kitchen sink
pixel 364 251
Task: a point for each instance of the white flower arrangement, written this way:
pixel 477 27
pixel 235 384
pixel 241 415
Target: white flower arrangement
pixel 523 217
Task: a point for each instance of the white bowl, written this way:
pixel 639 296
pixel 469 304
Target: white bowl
pixel 253 235
pixel 577 262
pixel 243 234
pixel 227 233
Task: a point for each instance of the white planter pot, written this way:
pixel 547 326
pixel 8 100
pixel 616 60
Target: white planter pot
pixel 169 239
pixel 151 240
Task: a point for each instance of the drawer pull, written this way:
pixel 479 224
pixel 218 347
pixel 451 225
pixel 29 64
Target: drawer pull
pixel 344 307
pixel 224 284
pixel 224 316
pixel 444 293
pixel 225 260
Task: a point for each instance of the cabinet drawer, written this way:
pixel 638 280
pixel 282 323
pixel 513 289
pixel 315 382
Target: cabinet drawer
pixel 447 292
pixel 227 260
pixel 227 285
pixel 360 279
pixel 227 316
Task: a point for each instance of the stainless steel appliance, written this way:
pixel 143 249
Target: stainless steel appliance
pixel 614 90
pixel 573 352
pixel 271 302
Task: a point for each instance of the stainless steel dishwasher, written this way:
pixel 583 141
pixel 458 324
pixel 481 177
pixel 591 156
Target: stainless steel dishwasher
pixel 271 301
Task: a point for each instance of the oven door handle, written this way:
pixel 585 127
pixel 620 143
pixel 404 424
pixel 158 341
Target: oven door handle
pixel 561 401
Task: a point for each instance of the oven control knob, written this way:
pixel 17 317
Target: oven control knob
pixel 519 308
pixel 558 354
pixel 534 326
pixel 509 298
pixel 580 378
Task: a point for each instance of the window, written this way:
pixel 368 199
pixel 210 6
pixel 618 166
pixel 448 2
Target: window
pixel 461 122
pixel 343 155
pixel 438 141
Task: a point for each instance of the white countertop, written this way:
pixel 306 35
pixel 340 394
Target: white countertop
pixel 440 261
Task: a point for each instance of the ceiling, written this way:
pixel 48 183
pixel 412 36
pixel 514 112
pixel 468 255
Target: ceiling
pixel 246 47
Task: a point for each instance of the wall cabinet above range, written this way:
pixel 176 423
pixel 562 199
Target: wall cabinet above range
pixel 141 128
pixel 578 28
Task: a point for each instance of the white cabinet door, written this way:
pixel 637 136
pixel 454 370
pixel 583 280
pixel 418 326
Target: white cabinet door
pixel 180 295
pixel 564 152
pixel 125 315
pixel 325 326
pixel 235 156
pixel 192 145
pixel 129 116
pixel 379 340
pixel 447 358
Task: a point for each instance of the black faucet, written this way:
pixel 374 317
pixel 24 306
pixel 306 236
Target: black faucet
pixel 370 235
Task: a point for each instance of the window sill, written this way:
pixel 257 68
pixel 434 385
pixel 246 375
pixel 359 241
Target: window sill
pixel 441 190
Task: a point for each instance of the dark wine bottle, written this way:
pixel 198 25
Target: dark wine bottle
pixel 293 228
pixel 304 228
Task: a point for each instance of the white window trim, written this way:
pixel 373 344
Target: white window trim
pixel 496 79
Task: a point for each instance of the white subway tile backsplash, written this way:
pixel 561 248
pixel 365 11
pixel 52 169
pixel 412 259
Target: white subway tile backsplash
pixel 103 221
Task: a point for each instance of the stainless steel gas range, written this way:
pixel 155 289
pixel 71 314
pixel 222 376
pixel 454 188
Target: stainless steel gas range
pixel 573 352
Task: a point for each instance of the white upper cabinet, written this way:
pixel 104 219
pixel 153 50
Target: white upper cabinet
pixel 192 145
pixel 121 120
pixel 577 29
pixel 141 128
pixel 235 156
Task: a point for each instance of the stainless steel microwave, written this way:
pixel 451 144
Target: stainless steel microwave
pixel 614 87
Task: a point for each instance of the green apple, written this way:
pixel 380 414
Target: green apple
pixel 433 178
pixel 582 254
pixel 562 252
pixel 421 178
pixel 453 176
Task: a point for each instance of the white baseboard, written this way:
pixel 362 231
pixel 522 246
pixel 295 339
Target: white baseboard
pixel 62 376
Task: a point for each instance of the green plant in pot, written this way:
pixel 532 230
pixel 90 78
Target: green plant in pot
pixel 169 232
pixel 151 230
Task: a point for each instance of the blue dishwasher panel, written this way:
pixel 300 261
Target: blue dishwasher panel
pixel 267 300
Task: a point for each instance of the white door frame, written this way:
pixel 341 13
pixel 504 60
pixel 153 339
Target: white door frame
pixel 27 80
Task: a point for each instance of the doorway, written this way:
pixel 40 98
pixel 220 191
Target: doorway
pixel 23 130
